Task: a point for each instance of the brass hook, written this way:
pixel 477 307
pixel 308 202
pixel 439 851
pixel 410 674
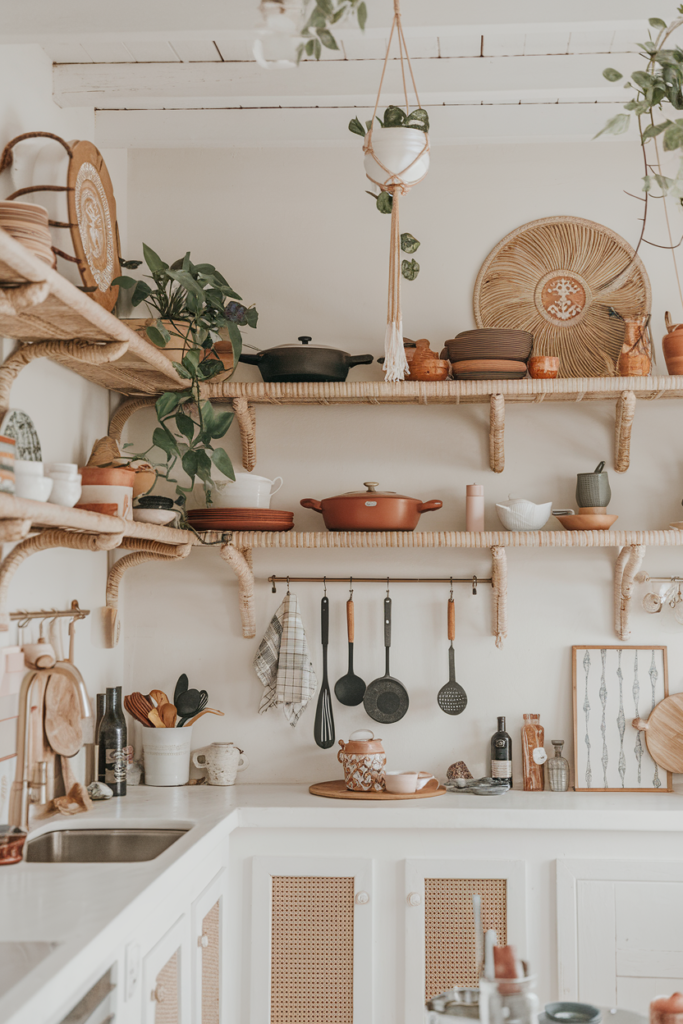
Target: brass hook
pixel 451 597
pixel 350 588
pixel 475 584
pixel 288 586
pixel 387 586
pixel 324 586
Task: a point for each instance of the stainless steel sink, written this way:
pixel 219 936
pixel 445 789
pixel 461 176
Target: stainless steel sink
pixel 100 845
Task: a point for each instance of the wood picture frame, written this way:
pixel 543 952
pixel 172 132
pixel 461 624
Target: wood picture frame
pixel 621 686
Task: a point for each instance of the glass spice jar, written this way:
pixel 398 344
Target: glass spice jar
pixel 558 769
pixel 533 754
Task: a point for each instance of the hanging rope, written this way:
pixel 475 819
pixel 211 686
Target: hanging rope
pixel 395 362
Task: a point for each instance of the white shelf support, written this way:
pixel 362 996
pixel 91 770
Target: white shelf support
pixel 626 408
pixel 499 577
pixel 627 565
pixel 497 434
pixel 240 561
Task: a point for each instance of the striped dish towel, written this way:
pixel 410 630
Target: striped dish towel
pixel 283 663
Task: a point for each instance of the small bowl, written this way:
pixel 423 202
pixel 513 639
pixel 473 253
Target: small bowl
pixel 544 367
pixel 35 488
pixel 65 492
pixel 429 369
pixel 579 522
pixel 573 1013
pixel 27 467
pixel 12 841
pixel 156 516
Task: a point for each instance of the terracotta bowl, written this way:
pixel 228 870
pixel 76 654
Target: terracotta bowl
pixel 587 522
pixel 104 508
pixel 429 369
pixel 543 367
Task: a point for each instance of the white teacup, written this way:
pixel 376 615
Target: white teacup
pixel 406 782
pixel 222 762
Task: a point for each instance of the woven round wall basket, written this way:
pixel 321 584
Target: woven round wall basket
pixel 557 277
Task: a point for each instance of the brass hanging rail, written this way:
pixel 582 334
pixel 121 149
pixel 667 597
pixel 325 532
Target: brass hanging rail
pixel 75 613
pixel 474 581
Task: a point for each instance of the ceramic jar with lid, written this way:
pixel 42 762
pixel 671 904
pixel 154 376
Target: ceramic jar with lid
pixel 364 761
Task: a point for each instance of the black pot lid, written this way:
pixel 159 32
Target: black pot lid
pixel 304 342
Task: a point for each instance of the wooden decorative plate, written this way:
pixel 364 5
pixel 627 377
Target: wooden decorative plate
pixel 557 277
pixel 337 791
pixel 92 216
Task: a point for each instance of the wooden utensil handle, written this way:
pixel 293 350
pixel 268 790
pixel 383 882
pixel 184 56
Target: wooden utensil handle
pixel 640 724
pixel 350 623
pixel 325 621
pixel 451 619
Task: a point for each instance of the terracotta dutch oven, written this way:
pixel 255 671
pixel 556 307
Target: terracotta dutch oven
pixel 371 510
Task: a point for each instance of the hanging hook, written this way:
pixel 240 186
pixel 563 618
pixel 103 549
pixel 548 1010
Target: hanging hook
pixel 387 586
pixel 288 586
pixel 451 597
pixel 475 584
pixel 350 588
pixel 324 586
pixel 273 588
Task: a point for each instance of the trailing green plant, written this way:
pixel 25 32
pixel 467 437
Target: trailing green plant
pixel 198 302
pixel 317 30
pixel 396 117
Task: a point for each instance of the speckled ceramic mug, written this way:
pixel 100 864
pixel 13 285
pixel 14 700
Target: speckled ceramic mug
pixel 222 762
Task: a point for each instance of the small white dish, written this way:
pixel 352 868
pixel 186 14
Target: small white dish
pixel 156 516
pixel 65 492
pixel 521 514
pixel 35 488
pixel 27 467
pixel 406 782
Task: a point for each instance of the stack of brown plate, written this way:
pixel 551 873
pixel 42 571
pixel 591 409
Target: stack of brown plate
pixel 28 224
pixel 490 354
pixel 240 519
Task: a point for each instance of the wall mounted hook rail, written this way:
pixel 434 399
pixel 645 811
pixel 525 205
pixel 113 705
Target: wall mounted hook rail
pixel 473 581
pixel 75 612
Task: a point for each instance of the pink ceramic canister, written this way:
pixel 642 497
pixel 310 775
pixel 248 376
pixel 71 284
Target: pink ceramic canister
pixel 363 760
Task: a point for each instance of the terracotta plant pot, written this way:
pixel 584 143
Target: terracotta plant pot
pixel 371 510
pixel 672 347
pixel 112 476
pixel 174 349
pixel 543 367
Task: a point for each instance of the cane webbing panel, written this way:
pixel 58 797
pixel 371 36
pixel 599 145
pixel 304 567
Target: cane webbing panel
pixel 312 951
pixel 449 928
pixel 167 1009
pixel 211 966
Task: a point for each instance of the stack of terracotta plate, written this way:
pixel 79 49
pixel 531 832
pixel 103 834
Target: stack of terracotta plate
pixel 240 519
pixel 28 223
pixel 490 354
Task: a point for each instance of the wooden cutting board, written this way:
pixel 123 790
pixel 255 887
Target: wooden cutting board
pixel 337 791
pixel 664 733
pixel 63 715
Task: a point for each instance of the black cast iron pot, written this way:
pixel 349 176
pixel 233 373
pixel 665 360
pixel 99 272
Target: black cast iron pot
pixel 304 362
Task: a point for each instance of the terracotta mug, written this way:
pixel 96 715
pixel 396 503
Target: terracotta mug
pixel 363 760
pixel 222 762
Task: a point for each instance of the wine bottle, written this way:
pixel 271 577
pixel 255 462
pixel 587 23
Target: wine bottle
pixel 112 744
pixel 501 753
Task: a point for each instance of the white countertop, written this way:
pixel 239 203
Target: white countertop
pixel 89 908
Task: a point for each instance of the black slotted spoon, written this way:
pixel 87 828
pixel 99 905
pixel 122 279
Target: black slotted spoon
pixel 451 698
pixel 323 729
pixel 386 698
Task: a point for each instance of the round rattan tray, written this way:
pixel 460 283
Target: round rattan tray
pixel 337 791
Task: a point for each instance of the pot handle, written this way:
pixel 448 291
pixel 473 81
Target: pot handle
pixel 340 752
pixel 311 503
pixel 358 360
pixel 430 506
pixel 599 468
pixel 251 358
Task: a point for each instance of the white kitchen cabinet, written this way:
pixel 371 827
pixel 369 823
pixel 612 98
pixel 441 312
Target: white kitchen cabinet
pixel 439 921
pixel 311 948
pixel 208 953
pixel 166 978
pixel 620 941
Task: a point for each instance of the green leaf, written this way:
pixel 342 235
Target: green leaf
pixel 663 182
pixel 612 75
pixel 656 23
pixel 409 243
pixel 649 47
pixel 221 461
pixel 419 115
pixel 154 262
pixel 647 183
pixel 180 370
pixel 164 440
pixel 167 402
pixel 216 424
pixel 410 269
pixel 326 38
pixel 339 14
pixel 615 126
pixel 235 338
pixel 362 15
pixel 191 360
pixel 251 316
pixel 394 117
pixel 203 466
pixel 125 282
pixel 653 130
pixel 141 293
pixel 384 202
pixel 156 337
pixel 356 127
pixel 317 49
pixel 186 279
pixel 309 48
pixel 189 463
pixel 185 424
pixel 673 137
pixel 643 79
pixel 130 264
pixel 326 7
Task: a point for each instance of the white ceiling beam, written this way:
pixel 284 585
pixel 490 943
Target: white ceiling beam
pixel 339 82
pixel 169 129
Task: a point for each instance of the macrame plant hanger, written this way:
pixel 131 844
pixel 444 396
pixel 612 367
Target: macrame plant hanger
pixel 395 362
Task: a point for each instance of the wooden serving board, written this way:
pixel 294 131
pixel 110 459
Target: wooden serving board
pixel 664 733
pixel 337 791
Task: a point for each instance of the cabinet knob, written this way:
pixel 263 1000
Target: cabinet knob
pixel 362 897
pixel 414 899
pixel 159 994
pixel 203 940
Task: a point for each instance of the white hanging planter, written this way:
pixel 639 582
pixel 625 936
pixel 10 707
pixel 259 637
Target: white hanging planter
pixel 398 150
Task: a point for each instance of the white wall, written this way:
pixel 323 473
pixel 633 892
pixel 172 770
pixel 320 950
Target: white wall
pixel 69 412
pixel 293 231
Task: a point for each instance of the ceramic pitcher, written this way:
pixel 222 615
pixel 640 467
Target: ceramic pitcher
pixel 363 760
pixel 222 762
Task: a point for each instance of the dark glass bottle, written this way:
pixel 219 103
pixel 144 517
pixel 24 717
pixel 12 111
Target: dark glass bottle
pixel 112 755
pixel 501 753
pixel 101 699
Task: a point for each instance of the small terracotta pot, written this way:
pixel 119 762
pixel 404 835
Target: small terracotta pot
pixel 672 347
pixel 116 476
pixel 429 369
pixel 544 367
pixel 634 364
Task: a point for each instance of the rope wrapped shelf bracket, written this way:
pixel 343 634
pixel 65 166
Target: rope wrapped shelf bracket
pixel 240 561
pixel 246 420
pixel 627 565
pixel 497 434
pixel 626 408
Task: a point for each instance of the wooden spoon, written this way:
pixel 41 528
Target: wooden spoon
pixel 159 696
pixel 155 718
pixel 132 709
pixel 206 711
pixel 168 715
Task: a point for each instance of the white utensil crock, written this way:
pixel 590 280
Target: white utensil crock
pixel 248 491
pixel 396 148
pixel 167 756
pixel 222 762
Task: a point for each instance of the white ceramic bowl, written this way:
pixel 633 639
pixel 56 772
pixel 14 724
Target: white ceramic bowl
pixel 69 468
pixel 36 488
pixel 26 467
pixel 247 491
pixel 524 515
pixel 156 516
pixel 65 492
pixel 396 149
pixel 71 478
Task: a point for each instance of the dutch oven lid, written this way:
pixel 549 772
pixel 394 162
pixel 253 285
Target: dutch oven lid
pixel 371 490
pixel 303 345
pixel 362 745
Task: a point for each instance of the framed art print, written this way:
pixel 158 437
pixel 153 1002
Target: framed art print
pixel 612 686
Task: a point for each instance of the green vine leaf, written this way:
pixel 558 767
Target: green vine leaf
pixel 221 461
pixel 410 269
pixel 362 15
pixel 616 125
pixel 409 243
pixel 163 439
pixel 656 23
pixel 356 127
pixel 612 75
pixel 326 38
pixel 189 464
pixel 385 201
pixel 185 424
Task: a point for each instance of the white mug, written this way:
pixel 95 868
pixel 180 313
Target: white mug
pixel 406 782
pixel 222 762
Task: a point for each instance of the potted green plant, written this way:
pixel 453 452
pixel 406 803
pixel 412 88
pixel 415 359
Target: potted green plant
pixel 195 308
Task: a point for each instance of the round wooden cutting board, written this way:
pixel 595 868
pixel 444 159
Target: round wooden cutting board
pixel 664 733
pixel 337 791
pixel 92 215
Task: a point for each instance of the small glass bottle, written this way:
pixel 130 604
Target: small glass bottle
pixel 112 753
pixel 501 753
pixel 533 753
pixel 558 769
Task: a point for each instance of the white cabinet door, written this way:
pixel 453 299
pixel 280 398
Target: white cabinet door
pixel 439 922
pixel 166 978
pixel 620 940
pixel 208 940
pixel 311 950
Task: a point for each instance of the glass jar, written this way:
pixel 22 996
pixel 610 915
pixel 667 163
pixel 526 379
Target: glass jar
pixel 508 1001
pixel 533 753
pixel 558 769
